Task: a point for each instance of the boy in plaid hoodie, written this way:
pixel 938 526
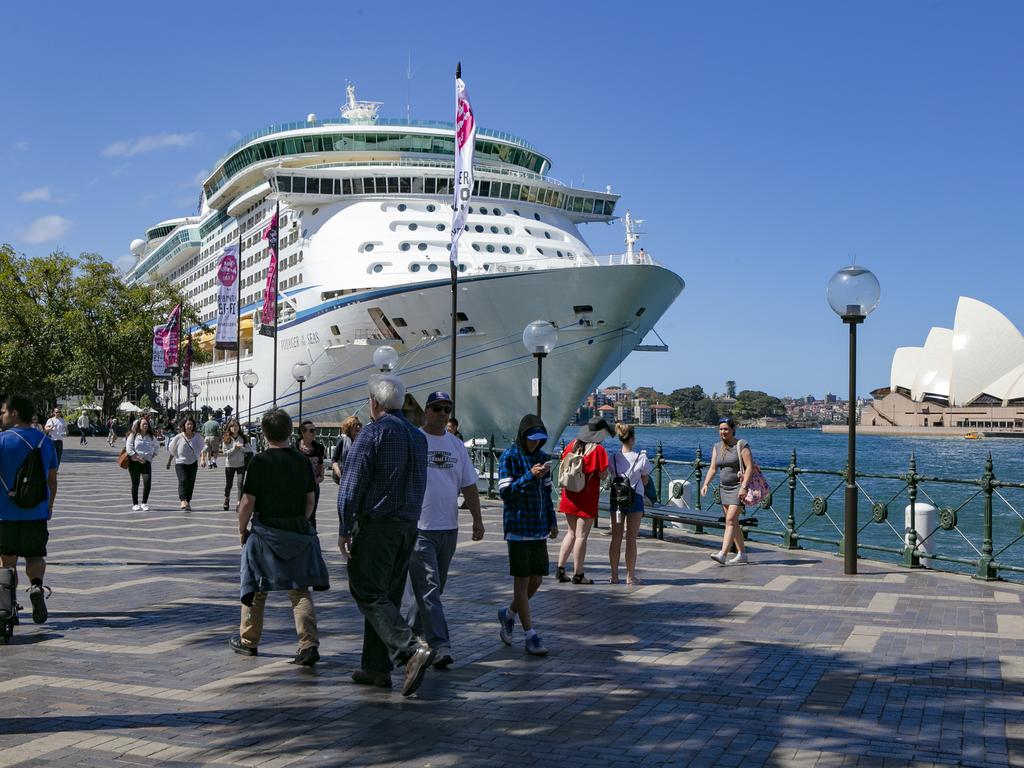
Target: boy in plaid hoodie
pixel 524 482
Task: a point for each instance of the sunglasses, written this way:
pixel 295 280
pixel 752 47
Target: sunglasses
pixel 441 408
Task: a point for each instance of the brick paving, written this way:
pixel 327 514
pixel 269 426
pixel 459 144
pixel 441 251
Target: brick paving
pixel 782 662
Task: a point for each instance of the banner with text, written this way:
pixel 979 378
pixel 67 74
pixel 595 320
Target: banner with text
pixel 268 317
pixel 159 366
pixel 465 141
pixel 227 299
pixel 172 338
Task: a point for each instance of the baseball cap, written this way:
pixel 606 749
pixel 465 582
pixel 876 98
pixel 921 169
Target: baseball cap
pixel 536 434
pixel 438 397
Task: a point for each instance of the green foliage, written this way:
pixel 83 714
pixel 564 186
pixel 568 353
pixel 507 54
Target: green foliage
pixel 685 402
pixel 752 404
pixel 730 389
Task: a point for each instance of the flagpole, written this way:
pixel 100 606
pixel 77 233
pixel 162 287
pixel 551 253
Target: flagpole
pixel 238 326
pixel 277 279
pixel 455 278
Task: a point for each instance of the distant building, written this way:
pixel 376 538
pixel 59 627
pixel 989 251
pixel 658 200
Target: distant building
pixel 641 411
pixel 661 413
pixel 830 398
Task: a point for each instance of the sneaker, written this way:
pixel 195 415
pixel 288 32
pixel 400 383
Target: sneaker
pixel 376 679
pixel 37 593
pixel 740 558
pixel 507 622
pixel 136 507
pixel 145 507
pixel 307 657
pixel 239 647
pixel 535 647
pixel 415 668
pixel 719 558
pixel 444 660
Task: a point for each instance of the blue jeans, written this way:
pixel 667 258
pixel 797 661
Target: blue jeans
pixel 428 572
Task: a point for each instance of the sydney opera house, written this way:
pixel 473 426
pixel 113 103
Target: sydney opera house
pixel 968 377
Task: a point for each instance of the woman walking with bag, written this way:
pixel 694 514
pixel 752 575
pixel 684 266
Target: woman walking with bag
pixel 580 506
pixel 141 446
pixel 736 463
pixel 629 471
pixel 185 449
pixel 234 446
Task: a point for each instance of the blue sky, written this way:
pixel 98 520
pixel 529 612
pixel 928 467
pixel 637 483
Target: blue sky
pixel 765 144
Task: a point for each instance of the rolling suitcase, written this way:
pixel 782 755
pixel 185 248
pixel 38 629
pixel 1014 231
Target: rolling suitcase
pixel 8 606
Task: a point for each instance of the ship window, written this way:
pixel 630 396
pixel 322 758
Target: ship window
pixel 484 210
pixel 519 250
pixel 517 213
pixel 299 184
pixel 506 190
pixel 429 187
pixel 422 246
pixel 497 211
pixel 536 216
pixel 462 267
pixel 540 251
pixel 470 209
pixel 476 246
pixel 508 230
pixel 440 227
pixel 399 322
pixel 414 267
pixel 403 247
pixel 393 185
pixel 431 208
pixel 405 185
pixel 368 247
pixel 490 249
pixel 357 186
pixel 432 268
pixel 478 228
pixel 284 183
pixel 413 227
pixel 315 212
pixel 401 206
pixel 378 268
pixel 494 230
pixel 547 235
pixel 505 249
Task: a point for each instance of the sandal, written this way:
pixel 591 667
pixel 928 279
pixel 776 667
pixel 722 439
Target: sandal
pixel 227 504
pixel 561 576
pixel 579 578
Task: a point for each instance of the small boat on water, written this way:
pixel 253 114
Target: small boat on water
pixel 973 436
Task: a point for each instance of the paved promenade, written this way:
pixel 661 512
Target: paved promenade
pixel 782 662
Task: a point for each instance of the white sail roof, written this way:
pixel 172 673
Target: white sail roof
pixel 905 363
pixel 935 365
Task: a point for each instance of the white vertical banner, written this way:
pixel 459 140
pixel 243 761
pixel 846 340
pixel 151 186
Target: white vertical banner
pixel 159 363
pixel 227 299
pixel 465 142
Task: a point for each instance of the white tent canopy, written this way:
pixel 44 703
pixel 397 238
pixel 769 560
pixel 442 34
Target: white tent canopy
pixel 128 407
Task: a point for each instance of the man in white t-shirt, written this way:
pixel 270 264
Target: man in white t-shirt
pixel 57 429
pixel 449 471
pixel 83 428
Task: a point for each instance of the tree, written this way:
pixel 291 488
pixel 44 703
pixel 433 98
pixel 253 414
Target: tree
pixel 730 389
pixel 685 401
pixel 648 393
pixel 707 412
pixel 753 404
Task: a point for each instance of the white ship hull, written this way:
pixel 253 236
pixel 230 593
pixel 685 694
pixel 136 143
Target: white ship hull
pixel 494 370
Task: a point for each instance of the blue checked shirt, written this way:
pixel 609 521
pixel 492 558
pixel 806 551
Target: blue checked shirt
pixel 385 473
pixel 529 513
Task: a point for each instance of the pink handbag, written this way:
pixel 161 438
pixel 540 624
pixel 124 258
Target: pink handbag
pixel 758 489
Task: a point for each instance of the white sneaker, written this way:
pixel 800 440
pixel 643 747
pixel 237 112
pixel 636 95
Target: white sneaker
pixel 145 507
pixel 718 557
pixel 136 507
pixel 740 558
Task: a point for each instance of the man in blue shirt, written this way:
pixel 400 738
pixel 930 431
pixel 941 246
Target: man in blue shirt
pixel 23 532
pixel 379 502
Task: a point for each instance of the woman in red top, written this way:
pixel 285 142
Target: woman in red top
pixel 580 507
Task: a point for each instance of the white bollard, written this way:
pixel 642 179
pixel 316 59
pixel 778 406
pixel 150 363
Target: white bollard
pixel 680 494
pixel 924 525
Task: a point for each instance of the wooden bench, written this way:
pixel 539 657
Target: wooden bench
pixel 700 519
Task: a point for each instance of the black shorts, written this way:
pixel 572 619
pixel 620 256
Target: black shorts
pixel 528 558
pixel 23 538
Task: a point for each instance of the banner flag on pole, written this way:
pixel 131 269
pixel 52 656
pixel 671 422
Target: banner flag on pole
pixel 465 142
pixel 172 335
pixel 159 366
pixel 186 366
pixel 227 299
pixel 268 316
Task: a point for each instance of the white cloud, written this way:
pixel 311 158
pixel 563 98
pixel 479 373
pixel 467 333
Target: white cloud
pixel 40 195
pixel 130 147
pixel 45 229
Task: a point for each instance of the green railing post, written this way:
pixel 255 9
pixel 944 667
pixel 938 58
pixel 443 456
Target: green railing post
pixel 791 540
pixel 846 480
pixel 911 558
pixel 987 570
pixel 490 471
pixel 698 464
pixel 659 470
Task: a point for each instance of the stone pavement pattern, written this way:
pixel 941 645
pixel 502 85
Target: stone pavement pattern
pixel 783 662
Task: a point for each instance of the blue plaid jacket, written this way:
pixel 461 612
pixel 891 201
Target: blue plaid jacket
pixel 385 473
pixel 529 513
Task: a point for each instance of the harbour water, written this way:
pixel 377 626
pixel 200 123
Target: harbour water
pixel 946 458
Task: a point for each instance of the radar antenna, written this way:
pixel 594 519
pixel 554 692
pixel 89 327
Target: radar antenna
pixel 359 111
pixel 632 235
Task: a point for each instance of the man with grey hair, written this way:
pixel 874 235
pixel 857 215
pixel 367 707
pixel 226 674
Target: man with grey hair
pixel 379 501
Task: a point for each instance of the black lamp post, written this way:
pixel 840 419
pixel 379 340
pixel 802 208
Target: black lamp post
pixel 300 372
pixel 539 338
pixel 853 294
pixel 250 379
pixel 195 389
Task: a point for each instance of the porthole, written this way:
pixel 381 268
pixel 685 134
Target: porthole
pixel 414 267
pixel 447 246
pixel 431 208
pixel 422 246
pixel 508 230
pixel 505 249
pixel 378 268
pixel 300 255
pixel 559 254
pixel 570 254
pixel 528 231
pixel 440 227
pixel 413 227
pixel 315 211
pixel 540 251
pixel 536 216
pixel 432 268
pixel 368 247
pixel 470 210
pixel 462 267
pixel 490 249
pixel 517 213
pixel 476 246
pixel 494 230
pixel 497 211
pixel 305 233
pixel 478 228
pixel 483 211
pixel 402 206
pixel 547 235
pixel 519 250
pixel 403 247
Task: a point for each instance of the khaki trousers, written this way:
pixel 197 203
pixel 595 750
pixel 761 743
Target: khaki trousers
pixel 251 628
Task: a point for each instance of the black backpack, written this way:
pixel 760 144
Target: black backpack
pixel 29 489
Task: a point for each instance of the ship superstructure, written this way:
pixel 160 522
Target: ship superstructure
pixel 364 235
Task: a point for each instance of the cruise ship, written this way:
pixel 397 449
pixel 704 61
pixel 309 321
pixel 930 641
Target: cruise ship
pixel 365 216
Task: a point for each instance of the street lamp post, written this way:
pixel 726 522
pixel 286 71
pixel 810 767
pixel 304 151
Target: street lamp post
pixel 539 338
pixel 195 389
pixel 250 379
pixel 853 294
pixel 385 358
pixel 300 372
